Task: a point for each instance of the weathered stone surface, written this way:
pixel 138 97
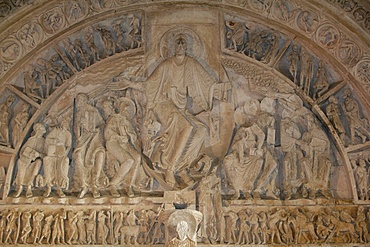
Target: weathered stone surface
pixel 184 125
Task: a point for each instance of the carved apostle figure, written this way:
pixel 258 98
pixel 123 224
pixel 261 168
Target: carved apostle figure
pixel 30 160
pixel 89 153
pixel 247 151
pixel 290 135
pixel 315 166
pixel 56 163
pixel 122 145
pixel 266 122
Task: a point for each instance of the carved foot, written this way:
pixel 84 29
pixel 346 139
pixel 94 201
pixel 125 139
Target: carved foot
pixel 130 192
pixel 95 192
pixel 304 192
pixel 311 195
pixel 326 193
pixel 47 192
pixel 271 194
pixel 29 191
pixel 288 195
pixel 19 191
pixel 83 192
pixel 247 195
pixel 256 195
pixel 60 192
pixel 113 191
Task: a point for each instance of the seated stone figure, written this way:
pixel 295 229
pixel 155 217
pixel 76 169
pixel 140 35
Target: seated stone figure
pixel 89 153
pixel 56 163
pixel 30 160
pixel 122 145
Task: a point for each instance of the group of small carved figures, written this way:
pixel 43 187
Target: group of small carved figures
pixel 147 226
pixel 108 148
pixel 312 78
pixel 47 75
pixel 87 51
pixel 89 155
pixel 357 130
pixel 295 226
pixel 87 227
pixel 254 159
pixel 246 39
pixel 11 135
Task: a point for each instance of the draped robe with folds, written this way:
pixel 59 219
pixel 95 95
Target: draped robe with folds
pixel 173 85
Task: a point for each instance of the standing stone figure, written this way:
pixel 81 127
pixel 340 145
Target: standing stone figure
pixel 30 160
pixel 6 113
pixel 266 122
pixel 56 163
pixel 321 85
pixel 26 226
pixel 307 72
pixel 89 153
pixel 358 125
pixel 293 59
pixel 37 225
pixel 333 113
pixel 20 123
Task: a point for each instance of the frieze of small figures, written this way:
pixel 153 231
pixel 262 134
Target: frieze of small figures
pixel 295 225
pixel 238 226
pixel 83 227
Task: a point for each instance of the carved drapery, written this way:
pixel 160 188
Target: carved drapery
pixel 125 109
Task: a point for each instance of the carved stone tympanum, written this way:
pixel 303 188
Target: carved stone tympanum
pixel 159 124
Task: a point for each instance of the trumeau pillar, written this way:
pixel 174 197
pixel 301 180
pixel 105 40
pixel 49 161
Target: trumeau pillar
pixel 183 123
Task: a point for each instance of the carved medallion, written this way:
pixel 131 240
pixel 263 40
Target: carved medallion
pixel 76 10
pixel 327 35
pixel 283 10
pixel 359 14
pixel 11 50
pixel 307 21
pixel 367 23
pixel 5 9
pixel 53 20
pixel 348 52
pixel 260 5
pixel 30 35
pixel 362 72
